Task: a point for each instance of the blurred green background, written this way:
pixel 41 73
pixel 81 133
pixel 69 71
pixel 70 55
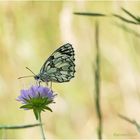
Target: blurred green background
pixel 31 31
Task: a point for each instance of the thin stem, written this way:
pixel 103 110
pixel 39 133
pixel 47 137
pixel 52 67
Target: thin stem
pixel 4 128
pixel 97 82
pixel 131 15
pixel 130 121
pixel 18 126
pixel 88 14
pixel 41 127
pixel 126 20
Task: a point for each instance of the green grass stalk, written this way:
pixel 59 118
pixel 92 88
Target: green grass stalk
pixel 97 82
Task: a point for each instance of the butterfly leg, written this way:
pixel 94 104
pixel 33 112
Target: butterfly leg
pixel 51 84
pixel 38 83
pixel 46 84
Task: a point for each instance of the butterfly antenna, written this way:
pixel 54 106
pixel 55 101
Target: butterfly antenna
pixel 30 71
pixel 29 75
pixel 25 76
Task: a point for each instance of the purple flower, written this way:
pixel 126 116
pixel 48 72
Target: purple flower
pixel 35 92
pixel 37 98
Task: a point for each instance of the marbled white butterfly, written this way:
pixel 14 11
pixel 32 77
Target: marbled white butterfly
pixel 59 67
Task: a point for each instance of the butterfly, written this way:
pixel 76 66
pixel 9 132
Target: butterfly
pixel 59 67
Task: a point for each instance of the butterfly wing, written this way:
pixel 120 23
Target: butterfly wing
pixel 59 67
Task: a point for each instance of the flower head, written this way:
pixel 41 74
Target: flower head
pixel 37 98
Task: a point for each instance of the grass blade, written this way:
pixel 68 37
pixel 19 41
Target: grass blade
pixel 88 14
pixel 97 82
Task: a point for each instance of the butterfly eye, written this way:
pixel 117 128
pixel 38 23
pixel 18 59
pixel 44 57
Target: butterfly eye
pixel 36 77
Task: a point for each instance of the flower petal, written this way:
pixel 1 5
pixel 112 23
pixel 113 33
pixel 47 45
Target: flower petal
pixel 35 91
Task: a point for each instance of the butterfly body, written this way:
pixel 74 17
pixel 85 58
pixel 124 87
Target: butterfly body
pixel 59 67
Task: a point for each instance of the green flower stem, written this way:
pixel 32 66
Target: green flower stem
pixel 41 127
